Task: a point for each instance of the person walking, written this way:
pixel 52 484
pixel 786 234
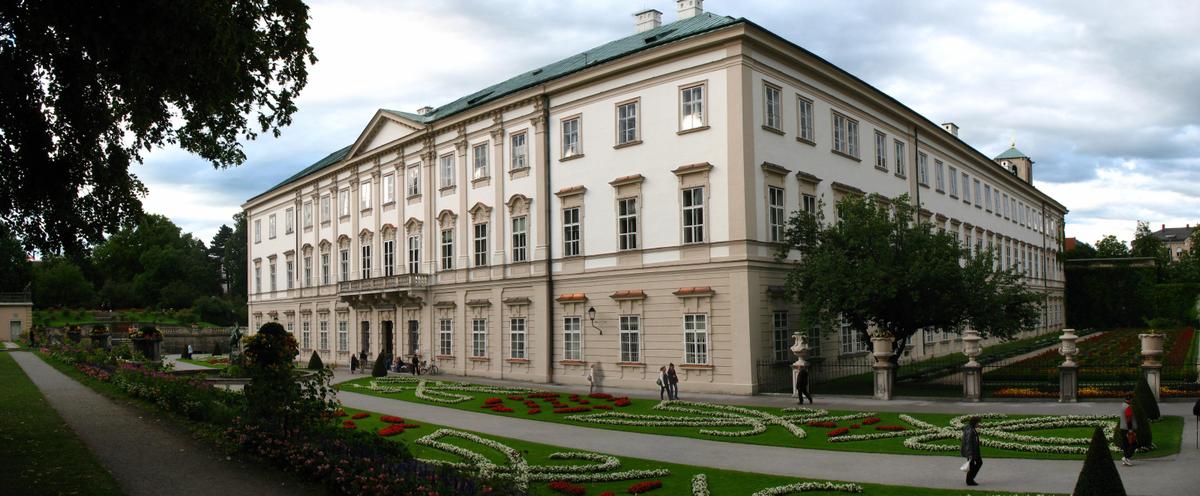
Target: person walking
pixel 1196 412
pixel 591 378
pixel 673 382
pixel 353 363
pixel 970 450
pixel 1127 437
pixel 664 383
pixel 416 366
pixel 802 385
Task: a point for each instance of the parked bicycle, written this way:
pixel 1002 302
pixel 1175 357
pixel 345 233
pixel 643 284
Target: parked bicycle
pixel 429 368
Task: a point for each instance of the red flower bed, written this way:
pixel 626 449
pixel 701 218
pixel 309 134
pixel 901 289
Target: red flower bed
pixel 360 415
pixel 644 486
pixel 516 398
pixel 391 420
pixel 340 413
pixel 533 411
pixel 531 404
pixel 891 428
pixel 502 409
pixel 391 430
pixel 572 409
pixel 871 420
pixel 608 493
pixel 622 402
pixel 601 396
pixel 349 424
pixel 96 373
pixel 854 426
pixel 493 401
pixel 565 487
pixel 827 425
pixel 582 401
pixel 837 432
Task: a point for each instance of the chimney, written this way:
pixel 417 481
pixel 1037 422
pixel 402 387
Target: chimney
pixel 424 110
pixel 690 8
pixel 951 127
pixel 646 20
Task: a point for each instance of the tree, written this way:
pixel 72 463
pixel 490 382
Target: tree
pixel 152 263
pixel 381 366
pixel 1081 251
pixel 314 362
pixel 1146 245
pixel 877 268
pixel 1111 247
pixel 18 272
pixel 1099 476
pixel 88 86
pixel 216 252
pixel 1145 397
pixel 58 282
pixel 234 261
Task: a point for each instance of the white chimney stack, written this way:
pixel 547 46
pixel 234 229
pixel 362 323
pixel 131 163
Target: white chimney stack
pixel 647 20
pixel 951 127
pixel 690 8
pixel 424 110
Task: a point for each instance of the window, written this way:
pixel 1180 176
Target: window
pixel 479 157
pixel 289 221
pixel 987 197
pixel 366 261
pixel 447 249
pixel 966 187
pixel 845 135
pixel 445 337
pixel 881 152
pixel 902 165
pixel 516 337
pixel 344 203
pixel 308 271
pixel 779 335
pixel 570 232
pixel 520 154
pixel 631 339
pixel 1005 202
pixel 345 259
pixel 481 244
pixel 519 239
pixel 389 257
pixel 940 174
pixel 691 107
pixel 953 182
pixel 808 203
pixel 627 223
pixel 414 180
pixel 572 338
pixel 257 279
pixel 389 188
pixel 978 193
pixel 479 337
pixel 1012 203
pixel 695 339
pixel 343 334
pixel 364 195
pixel 325 215
pixel 323 335
pixel 775 215
pixel 693 215
pixel 806 119
pixel 272 277
pixel 291 272
pixel 922 168
pixel 306 334
pixel 414 254
pixel 271 226
pixel 325 268
pixel 308 214
pixel 627 123
pixel 1019 213
pixel 851 342
pixel 447 170
pixel 772 107
pixel 570 138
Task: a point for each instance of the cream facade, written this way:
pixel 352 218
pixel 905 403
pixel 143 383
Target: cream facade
pixel 621 214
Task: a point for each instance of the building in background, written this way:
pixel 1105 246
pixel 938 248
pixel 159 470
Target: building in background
pixel 1177 240
pixel 620 208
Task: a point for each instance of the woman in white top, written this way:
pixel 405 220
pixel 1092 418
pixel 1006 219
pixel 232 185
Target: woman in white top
pixel 663 382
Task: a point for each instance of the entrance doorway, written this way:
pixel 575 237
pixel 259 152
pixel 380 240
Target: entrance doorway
pixel 389 339
pixel 414 336
pixel 366 339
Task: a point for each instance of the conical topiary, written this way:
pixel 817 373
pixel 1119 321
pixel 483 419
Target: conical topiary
pixel 314 362
pixel 1145 438
pixel 1099 476
pixel 1143 395
pixel 381 366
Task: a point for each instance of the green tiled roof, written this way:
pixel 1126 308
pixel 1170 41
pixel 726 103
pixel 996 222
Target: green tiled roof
pixel 330 159
pixel 1011 152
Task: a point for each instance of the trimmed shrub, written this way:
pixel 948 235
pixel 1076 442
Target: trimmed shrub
pixel 1144 396
pixel 314 362
pixel 1145 438
pixel 1099 476
pixel 381 366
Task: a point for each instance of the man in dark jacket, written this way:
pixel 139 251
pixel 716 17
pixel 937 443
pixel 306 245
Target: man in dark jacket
pixel 802 385
pixel 970 450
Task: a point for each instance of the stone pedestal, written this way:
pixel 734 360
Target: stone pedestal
pixel 1068 383
pixel 972 383
pixel 1153 375
pixel 885 377
pixel 101 341
pixel 150 348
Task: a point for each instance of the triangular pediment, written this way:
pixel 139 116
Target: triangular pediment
pixel 383 128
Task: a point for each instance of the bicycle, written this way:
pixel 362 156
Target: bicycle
pixel 429 368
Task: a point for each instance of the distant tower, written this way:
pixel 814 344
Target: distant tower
pixel 1019 164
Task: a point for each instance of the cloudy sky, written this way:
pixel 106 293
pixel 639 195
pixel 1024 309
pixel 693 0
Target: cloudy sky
pixel 1105 96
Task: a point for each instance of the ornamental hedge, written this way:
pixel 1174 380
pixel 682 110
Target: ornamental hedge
pixel 1122 293
pixel 1099 476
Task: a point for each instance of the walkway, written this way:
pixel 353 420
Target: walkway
pixel 145 455
pixel 178 365
pixel 1169 475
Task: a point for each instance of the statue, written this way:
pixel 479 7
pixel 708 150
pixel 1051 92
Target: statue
pixel 235 339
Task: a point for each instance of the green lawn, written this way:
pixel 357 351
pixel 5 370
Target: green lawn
pixel 40 454
pixel 1168 432
pixel 204 363
pixel 66 317
pixel 678 482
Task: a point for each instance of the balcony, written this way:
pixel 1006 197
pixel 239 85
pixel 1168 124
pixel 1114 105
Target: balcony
pixel 400 282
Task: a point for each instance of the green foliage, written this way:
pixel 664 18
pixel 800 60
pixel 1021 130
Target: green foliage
pixel 1111 247
pixel 58 282
pixel 1081 251
pixel 1107 295
pixel 877 267
pixel 18 272
pixel 215 310
pixel 1099 476
pixel 314 362
pixel 151 263
pixel 1142 395
pixel 85 95
pixel 1146 245
pixel 381 366
pixel 1176 302
pixel 276 400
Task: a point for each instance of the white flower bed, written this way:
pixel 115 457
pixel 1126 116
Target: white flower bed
pixel 801 487
pixel 705 415
pixel 998 435
pixel 437 391
pixel 700 485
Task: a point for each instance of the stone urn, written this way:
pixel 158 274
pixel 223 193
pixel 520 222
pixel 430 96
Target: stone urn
pixel 100 337
pixel 800 349
pixel 881 347
pixel 971 346
pixel 148 341
pixel 1152 348
pixel 1068 349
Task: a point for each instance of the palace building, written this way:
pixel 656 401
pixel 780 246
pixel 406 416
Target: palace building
pixel 620 208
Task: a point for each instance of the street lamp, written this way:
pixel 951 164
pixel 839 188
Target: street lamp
pixel 591 313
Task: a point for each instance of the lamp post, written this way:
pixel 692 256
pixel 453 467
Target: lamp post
pixel 972 371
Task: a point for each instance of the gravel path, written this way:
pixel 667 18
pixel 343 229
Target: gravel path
pixel 148 456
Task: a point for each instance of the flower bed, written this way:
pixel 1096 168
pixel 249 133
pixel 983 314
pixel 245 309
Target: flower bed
pixel 391 419
pixel 573 409
pixel 564 487
pixel 349 424
pixel 360 416
pixel 391 430
pixel 700 487
pixel 644 487
pixel 837 432
pixel 891 428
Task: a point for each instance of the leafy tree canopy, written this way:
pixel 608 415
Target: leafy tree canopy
pixel 877 268
pixel 88 86
pixel 152 263
pixel 18 272
pixel 1111 247
pixel 1081 251
pixel 58 282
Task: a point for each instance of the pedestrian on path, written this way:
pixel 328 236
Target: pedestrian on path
pixel 970 450
pixel 802 385
pixel 353 363
pixel 1127 437
pixel 591 378
pixel 1196 412
pixel 673 382
pixel 416 366
pixel 664 383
